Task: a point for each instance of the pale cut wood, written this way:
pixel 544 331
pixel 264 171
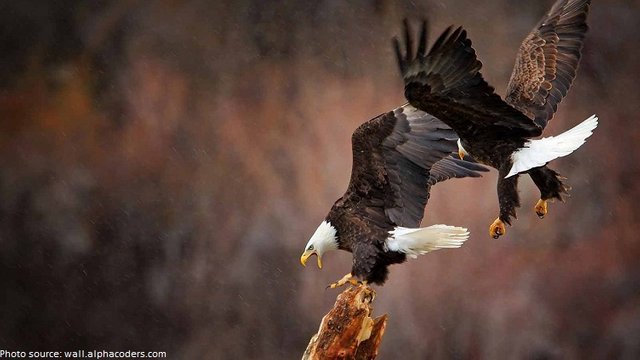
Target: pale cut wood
pixel 348 331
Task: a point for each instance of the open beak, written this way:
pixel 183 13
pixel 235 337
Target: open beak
pixel 305 256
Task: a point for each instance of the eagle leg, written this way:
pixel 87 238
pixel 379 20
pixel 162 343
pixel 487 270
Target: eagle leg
pixel 509 201
pixel 550 185
pixel 346 279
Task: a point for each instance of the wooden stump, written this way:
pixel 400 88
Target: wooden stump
pixel 348 331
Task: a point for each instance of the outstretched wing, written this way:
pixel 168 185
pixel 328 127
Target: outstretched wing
pixel 447 83
pixel 397 156
pixel 547 61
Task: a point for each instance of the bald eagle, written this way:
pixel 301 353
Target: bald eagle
pixel 397 157
pixel 446 82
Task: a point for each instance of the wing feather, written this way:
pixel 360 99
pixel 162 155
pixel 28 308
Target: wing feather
pixel 451 167
pixel 416 157
pixel 447 83
pixel 547 61
pixel 397 157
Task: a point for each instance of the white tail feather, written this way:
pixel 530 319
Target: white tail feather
pixel 414 242
pixel 539 152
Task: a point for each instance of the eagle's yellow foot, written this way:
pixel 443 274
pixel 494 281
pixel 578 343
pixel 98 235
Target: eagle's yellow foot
pixel 497 229
pixel 541 208
pixel 346 279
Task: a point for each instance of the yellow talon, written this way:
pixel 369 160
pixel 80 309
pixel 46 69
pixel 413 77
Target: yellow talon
pixel 346 279
pixel 497 229
pixel 541 208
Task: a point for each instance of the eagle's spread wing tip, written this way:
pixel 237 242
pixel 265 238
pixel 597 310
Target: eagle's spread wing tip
pixel 548 60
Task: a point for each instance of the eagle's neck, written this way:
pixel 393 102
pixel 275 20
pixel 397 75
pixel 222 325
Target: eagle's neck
pixel 324 239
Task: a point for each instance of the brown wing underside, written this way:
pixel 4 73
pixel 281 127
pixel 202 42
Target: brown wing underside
pixel 547 61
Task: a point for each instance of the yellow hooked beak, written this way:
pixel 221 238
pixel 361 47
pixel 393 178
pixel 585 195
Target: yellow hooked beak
pixel 461 154
pixel 305 256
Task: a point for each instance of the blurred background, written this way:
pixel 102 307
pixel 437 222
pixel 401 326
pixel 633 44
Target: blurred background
pixel 163 164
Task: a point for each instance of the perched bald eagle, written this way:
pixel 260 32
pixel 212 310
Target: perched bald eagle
pixel 397 157
pixel 446 82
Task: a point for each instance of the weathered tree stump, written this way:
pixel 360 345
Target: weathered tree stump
pixel 348 331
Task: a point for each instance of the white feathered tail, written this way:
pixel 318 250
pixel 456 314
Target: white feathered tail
pixel 539 152
pixel 414 242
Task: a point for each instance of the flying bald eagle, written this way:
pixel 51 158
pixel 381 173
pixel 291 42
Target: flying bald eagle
pixel 447 83
pixel 397 157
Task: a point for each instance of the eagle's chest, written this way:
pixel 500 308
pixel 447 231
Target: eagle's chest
pixel 361 224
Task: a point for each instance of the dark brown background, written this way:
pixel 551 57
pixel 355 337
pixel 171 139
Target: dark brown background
pixel 162 165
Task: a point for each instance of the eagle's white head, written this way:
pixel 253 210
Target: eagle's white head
pixel 461 151
pixel 323 240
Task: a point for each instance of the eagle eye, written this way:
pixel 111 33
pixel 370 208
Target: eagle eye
pixel 310 247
